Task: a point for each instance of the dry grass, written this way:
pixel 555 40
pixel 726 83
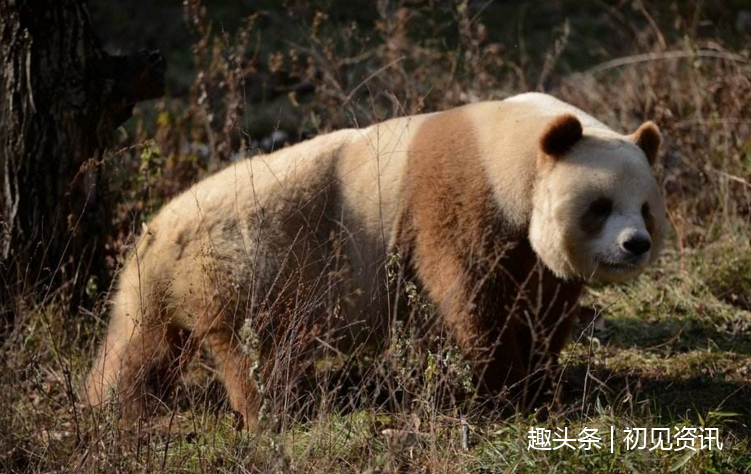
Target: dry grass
pixel 672 348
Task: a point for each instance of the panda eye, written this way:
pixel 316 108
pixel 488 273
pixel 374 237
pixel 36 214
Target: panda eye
pixel 645 210
pixel 601 207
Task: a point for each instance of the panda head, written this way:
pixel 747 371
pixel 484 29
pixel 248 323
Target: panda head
pixel 598 214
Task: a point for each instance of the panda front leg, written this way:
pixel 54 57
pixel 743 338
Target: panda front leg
pixel 496 347
pixel 493 343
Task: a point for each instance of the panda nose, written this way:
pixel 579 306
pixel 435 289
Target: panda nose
pixel 637 245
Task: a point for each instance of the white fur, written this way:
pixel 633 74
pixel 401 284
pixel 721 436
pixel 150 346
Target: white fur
pixel 239 231
pixel 602 164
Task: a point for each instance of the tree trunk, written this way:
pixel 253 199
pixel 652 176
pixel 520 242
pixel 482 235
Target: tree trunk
pixel 61 96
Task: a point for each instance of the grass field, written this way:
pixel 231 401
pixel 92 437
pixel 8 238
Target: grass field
pixel 671 349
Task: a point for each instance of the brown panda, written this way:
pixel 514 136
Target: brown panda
pixel 501 211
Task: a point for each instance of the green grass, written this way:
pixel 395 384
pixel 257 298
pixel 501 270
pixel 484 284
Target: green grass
pixel 673 351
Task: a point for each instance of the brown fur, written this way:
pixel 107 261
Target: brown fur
pixel 562 134
pixel 648 138
pixel 480 271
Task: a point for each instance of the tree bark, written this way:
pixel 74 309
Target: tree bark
pixel 61 96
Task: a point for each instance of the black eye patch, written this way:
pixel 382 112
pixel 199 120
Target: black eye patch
pixel 646 214
pixel 601 207
pixel 596 215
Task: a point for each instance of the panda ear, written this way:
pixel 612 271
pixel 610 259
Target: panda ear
pixel 648 138
pixel 561 135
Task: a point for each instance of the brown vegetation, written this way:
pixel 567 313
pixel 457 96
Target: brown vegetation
pixel 674 347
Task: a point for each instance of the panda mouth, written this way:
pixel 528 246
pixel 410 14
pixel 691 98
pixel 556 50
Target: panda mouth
pixel 619 266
